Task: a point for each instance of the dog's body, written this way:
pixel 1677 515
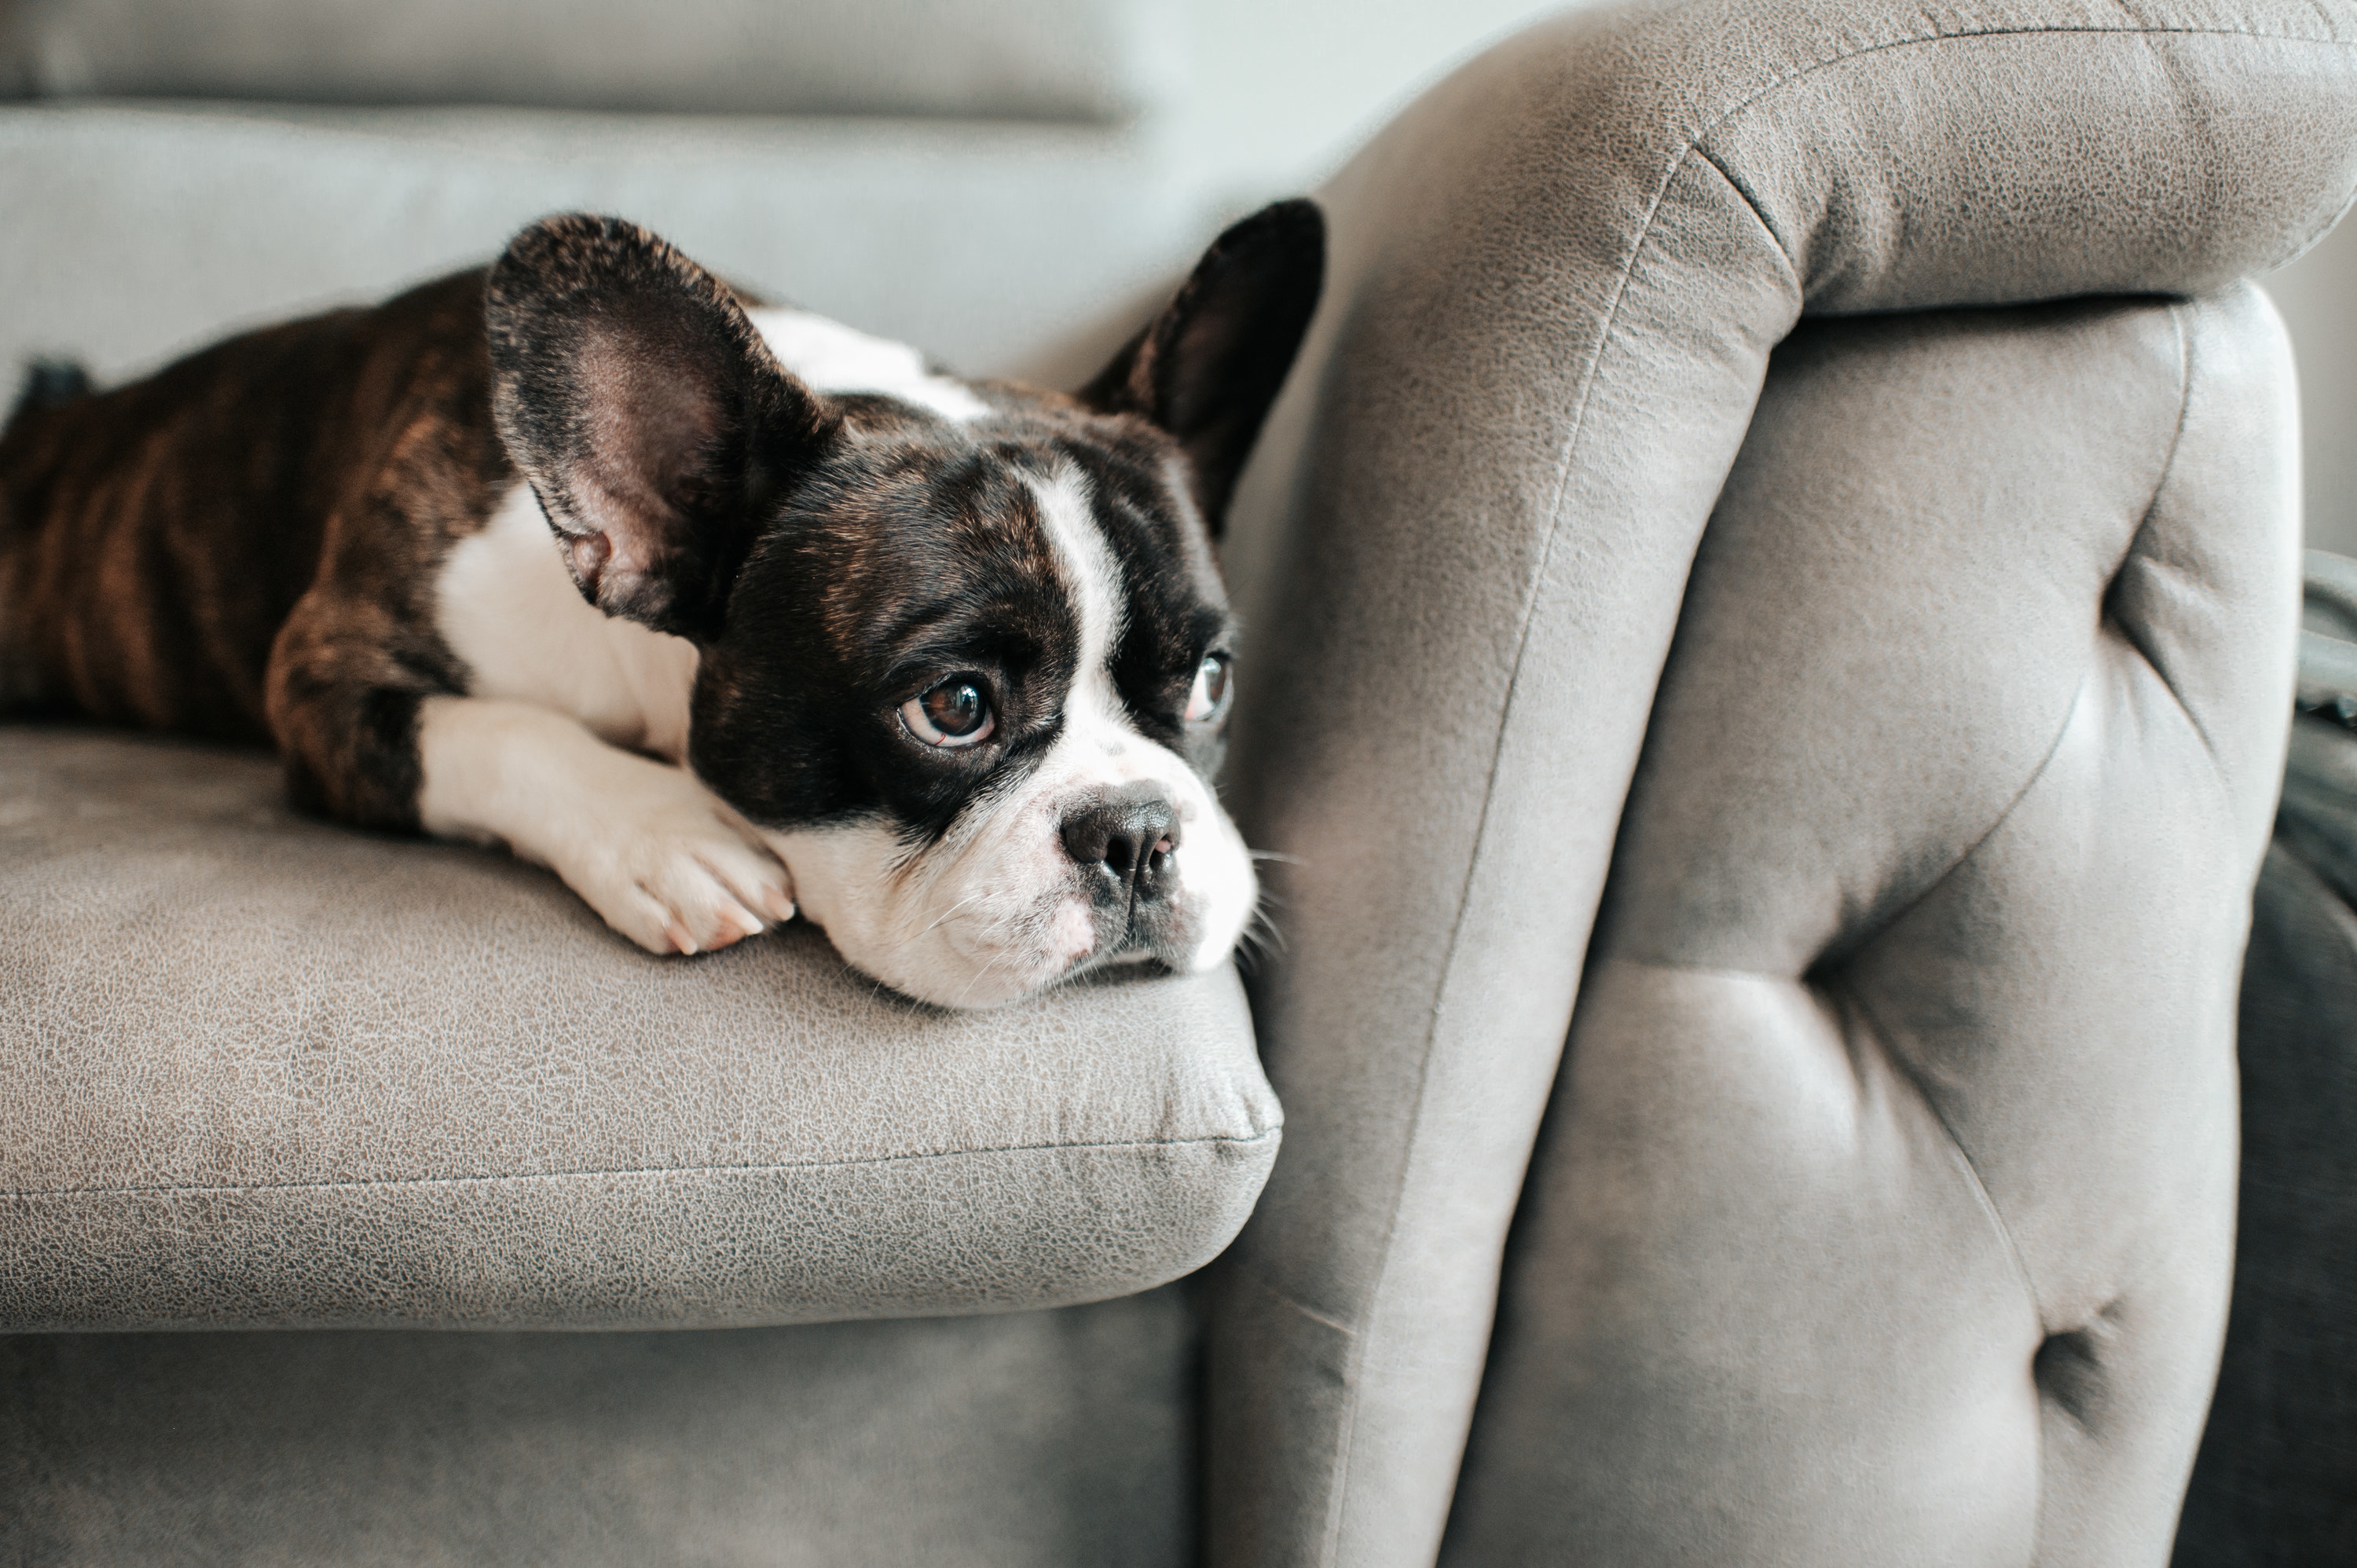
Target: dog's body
pixel 712 609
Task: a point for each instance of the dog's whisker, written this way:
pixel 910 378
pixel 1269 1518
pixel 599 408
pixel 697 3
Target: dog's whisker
pixel 935 923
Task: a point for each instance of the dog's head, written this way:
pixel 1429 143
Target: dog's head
pixel 965 658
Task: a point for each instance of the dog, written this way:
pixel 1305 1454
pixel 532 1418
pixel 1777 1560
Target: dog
pixel 723 612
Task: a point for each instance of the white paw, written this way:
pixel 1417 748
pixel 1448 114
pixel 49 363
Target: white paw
pixel 662 858
pixel 685 875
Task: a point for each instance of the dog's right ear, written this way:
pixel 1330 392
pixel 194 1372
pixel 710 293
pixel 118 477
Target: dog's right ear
pixel 646 411
pixel 1208 368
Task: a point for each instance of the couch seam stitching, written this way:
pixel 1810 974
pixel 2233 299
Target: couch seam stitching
pixel 1996 824
pixel 1865 939
pixel 1905 1073
pixel 1338 1505
pixel 1757 213
pixel 1257 1281
pixel 1962 35
pixel 38 1194
pixel 2177 312
pixel 1883 1034
pixel 1513 682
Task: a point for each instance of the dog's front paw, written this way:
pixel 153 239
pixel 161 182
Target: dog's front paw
pixel 662 858
pixel 685 876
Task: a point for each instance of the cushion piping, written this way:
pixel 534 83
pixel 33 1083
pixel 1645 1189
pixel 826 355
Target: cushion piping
pixel 31 1194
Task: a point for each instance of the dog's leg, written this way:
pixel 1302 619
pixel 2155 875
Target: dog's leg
pixel 664 859
pixel 364 702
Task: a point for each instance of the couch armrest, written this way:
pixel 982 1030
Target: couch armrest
pixel 1555 284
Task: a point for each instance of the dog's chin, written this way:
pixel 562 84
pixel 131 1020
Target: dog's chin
pixel 973 950
pixel 978 974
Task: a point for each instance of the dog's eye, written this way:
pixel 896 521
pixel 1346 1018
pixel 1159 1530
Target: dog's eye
pixel 955 713
pixel 1209 699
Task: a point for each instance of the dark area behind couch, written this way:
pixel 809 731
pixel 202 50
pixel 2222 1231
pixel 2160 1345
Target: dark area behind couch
pixel 2276 1484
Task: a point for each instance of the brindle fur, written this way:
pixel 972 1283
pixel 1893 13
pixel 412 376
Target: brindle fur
pixel 244 544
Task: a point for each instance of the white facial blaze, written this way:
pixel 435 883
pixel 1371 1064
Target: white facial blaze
pixel 998 907
pixel 1092 577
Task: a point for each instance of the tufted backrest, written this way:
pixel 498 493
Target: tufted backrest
pixel 1883 1210
pixel 1556 285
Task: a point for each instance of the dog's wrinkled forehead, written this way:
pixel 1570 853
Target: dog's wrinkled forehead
pixel 917 537
pixel 1038 534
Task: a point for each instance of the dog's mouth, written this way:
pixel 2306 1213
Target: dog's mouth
pixel 1071 936
pixel 1138 957
pixel 1158 936
pixel 1013 907
pixel 1136 945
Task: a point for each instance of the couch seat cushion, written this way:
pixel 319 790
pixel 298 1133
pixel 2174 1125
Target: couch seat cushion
pixel 260 1070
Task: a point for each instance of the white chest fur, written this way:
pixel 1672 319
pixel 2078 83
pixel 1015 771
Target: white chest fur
pixel 509 608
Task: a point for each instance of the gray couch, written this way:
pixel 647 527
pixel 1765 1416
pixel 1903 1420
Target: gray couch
pixel 1860 756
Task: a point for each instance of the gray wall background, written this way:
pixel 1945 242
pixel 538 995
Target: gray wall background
pixel 2318 296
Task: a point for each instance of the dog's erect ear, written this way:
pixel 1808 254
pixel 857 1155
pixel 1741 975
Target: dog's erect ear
pixel 1207 368
pixel 646 411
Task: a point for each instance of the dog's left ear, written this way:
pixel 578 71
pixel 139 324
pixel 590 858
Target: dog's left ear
pixel 648 414
pixel 1207 368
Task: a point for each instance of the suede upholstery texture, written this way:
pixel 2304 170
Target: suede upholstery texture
pixel 1555 284
pixel 259 1071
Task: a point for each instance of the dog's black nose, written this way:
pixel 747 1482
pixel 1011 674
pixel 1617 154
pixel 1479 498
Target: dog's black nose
pixel 1129 834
